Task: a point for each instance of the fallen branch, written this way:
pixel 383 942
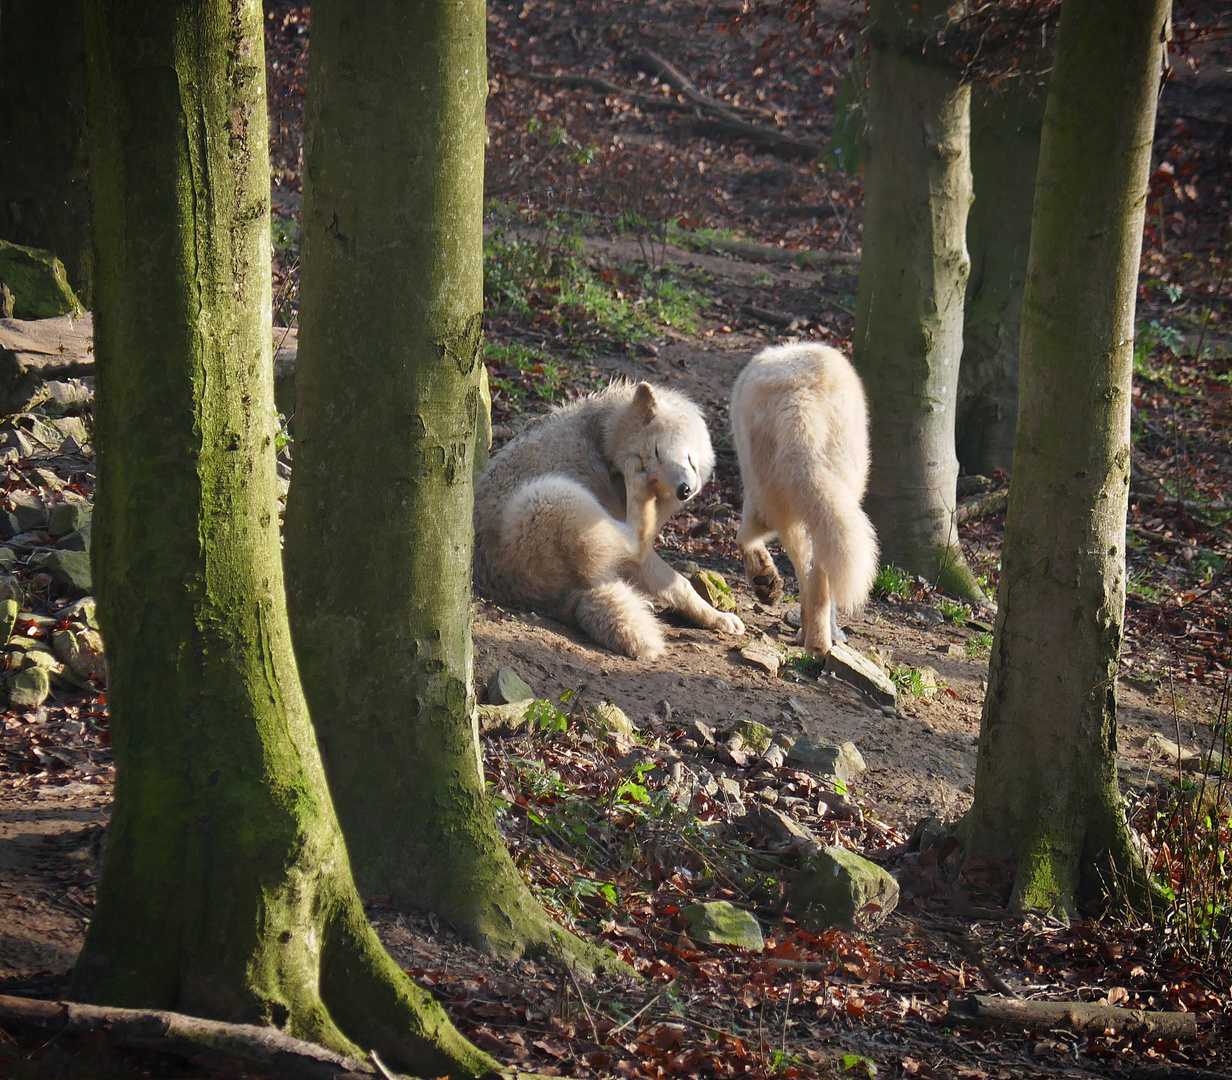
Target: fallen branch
pixel 186 1037
pixel 771 318
pixel 981 507
pixel 1162 499
pixel 1079 1016
pixel 707 111
pixel 746 249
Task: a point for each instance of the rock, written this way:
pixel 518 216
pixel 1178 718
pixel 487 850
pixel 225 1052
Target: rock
pixel 502 719
pixel 706 782
pixel 9 525
pixel 68 517
pixel 78 540
pixel 729 788
pixel 929 832
pixel 775 756
pixel 506 686
pixel 71 568
pixel 610 720
pixel 793 617
pixel 37 282
pixel 8 616
pixel 28 689
pixel 753 736
pixel 796 706
pixel 722 685
pixel 8 558
pixel 843 762
pixel 82 651
pixel 29 510
pixel 836 887
pixel 10 589
pixel 930 683
pixel 852 667
pixel 713 588
pixel 763 654
pixel 716 922
pixel 703 732
pixel 687 569
pixel 1174 755
pixel 83 609
pixel 783 830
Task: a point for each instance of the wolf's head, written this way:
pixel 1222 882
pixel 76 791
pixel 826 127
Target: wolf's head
pixel 665 433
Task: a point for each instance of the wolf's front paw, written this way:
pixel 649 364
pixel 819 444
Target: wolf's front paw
pixel 725 623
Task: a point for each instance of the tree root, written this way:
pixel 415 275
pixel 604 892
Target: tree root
pixel 186 1037
pixel 982 506
pixel 706 111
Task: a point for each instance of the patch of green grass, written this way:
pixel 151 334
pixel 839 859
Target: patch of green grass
pixel 908 680
pixel 547 281
pixel 284 234
pixel 892 581
pixel 979 645
pixel 518 369
pixel 953 611
pixel 700 239
pixel 1139 585
pixel 806 664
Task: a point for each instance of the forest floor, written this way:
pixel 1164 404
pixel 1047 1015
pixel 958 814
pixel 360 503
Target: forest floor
pixel 613 212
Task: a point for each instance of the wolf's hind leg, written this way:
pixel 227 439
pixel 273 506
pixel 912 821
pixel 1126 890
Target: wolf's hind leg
pixel 759 568
pixel 619 619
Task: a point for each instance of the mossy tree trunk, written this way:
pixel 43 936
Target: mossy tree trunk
pixel 1046 785
pixel 913 273
pixel 378 532
pixel 1005 136
pixel 226 891
pixel 44 181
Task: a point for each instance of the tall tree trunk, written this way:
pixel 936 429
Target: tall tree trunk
pixel 913 272
pixel 226 891
pixel 44 182
pixel 1046 784
pixel 1005 136
pixel 379 532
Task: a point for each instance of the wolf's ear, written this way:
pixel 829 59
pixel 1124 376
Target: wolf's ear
pixel 645 404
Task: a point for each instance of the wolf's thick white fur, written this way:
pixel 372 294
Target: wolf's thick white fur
pixel 566 516
pixel 800 423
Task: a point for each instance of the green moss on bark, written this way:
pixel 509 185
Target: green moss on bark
pixel 379 532
pixel 1046 787
pixel 226 891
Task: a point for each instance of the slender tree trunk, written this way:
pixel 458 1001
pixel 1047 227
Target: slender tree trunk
pixel 379 532
pixel 44 182
pixel 1046 785
pixel 913 272
pixel 226 891
pixel 1005 136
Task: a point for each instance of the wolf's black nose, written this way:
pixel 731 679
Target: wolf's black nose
pixel 683 492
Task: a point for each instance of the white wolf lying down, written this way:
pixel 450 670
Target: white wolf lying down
pixel 566 516
pixel 800 423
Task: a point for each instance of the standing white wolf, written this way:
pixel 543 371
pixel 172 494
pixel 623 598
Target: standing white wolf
pixel 800 422
pixel 566 515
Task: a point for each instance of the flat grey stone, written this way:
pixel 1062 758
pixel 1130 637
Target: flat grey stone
pixel 29 510
pixel 506 686
pixel 783 830
pixel 716 922
pixel 762 655
pixel 71 568
pixel 8 616
pixel 501 719
pixel 82 651
pixel 609 718
pixel 844 762
pixel 855 668
pixel 837 887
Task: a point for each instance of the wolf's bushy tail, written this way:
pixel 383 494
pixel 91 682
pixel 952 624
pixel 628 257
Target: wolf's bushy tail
pixel 616 616
pixel 844 541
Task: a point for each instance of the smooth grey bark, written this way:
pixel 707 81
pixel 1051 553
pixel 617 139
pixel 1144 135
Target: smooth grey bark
pixel 1005 135
pixel 226 891
pixel 379 533
pixel 44 176
pixel 1046 784
pixel 913 274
